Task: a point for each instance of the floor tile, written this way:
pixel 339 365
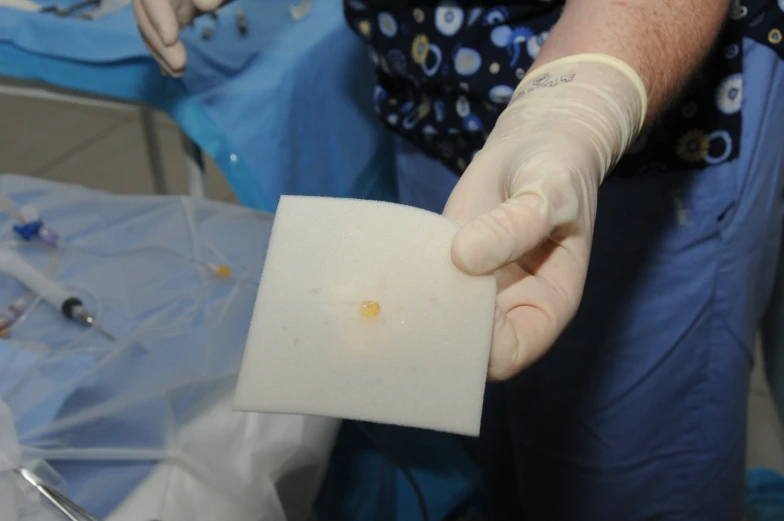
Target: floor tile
pixel 36 134
pixel 163 119
pixel 118 163
pixel 88 103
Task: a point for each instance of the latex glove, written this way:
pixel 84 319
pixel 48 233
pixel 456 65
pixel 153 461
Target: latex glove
pixel 160 22
pixel 528 199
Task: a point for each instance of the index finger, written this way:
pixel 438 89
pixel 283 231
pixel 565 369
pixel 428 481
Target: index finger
pixel 162 17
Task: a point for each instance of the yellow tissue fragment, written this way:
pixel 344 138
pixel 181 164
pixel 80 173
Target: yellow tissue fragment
pixel 369 309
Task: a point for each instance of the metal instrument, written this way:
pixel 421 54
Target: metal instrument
pixel 68 508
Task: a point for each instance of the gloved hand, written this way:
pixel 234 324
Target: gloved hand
pixel 160 22
pixel 528 199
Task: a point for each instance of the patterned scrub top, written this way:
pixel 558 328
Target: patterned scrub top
pixel 446 70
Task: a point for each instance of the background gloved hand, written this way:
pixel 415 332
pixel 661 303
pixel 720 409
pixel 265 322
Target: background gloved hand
pixel 160 22
pixel 528 199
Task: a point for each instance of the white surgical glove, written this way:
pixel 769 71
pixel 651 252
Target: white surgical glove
pixel 528 199
pixel 160 22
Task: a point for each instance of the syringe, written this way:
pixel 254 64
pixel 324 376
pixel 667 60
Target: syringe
pixel 69 305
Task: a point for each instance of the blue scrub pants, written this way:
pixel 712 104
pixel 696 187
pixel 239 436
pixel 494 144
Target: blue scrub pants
pixel 638 413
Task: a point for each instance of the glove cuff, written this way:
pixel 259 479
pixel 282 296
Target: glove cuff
pixel 560 70
pixel 595 98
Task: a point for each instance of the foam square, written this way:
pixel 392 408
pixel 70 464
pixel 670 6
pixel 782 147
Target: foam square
pixel 420 362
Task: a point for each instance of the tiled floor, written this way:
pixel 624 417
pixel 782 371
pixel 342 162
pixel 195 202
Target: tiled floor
pixel 103 148
pixel 96 147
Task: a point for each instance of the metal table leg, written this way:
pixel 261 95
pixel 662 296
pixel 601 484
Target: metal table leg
pixel 194 167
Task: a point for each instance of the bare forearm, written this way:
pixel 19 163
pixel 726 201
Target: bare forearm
pixel 664 40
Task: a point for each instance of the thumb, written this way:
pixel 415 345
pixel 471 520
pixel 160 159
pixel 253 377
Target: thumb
pixel 512 229
pixel 502 235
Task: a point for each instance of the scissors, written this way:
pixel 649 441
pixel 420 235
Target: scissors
pixel 66 507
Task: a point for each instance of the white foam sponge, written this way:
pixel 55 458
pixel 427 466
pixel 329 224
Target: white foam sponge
pixel 314 348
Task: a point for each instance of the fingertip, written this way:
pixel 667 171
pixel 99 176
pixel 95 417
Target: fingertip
pixel 159 59
pixel 176 58
pixel 207 5
pixel 497 372
pixel 464 251
pixel 476 251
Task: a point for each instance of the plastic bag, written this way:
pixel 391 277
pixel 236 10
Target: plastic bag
pixel 143 428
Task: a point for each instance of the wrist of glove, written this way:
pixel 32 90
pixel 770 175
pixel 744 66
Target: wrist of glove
pixel 597 100
pixel 527 201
